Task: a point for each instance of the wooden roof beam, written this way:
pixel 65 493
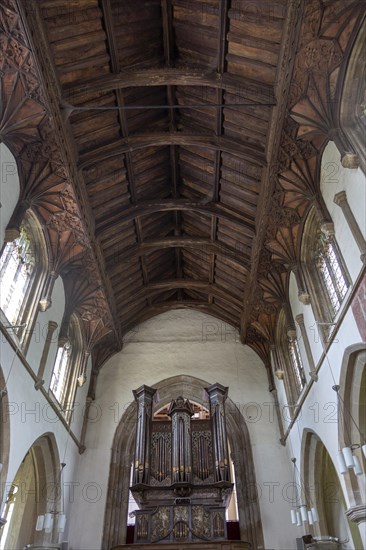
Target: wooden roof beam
pixel 160 139
pixel 221 56
pixel 145 208
pixel 167 17
pixel 291 33
pixel 130 175
pixel 175 284
pixel 255 92
pixel 204 245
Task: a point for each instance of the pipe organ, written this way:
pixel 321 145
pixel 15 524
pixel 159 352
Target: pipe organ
pixel 181 477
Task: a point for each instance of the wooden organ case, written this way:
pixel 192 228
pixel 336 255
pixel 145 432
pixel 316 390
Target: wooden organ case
pixel 181 477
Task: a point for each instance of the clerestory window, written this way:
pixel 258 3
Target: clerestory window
pixel 297 366
pixel 332 275
pixel 60 370
pixel 69 368
pixel 16 267
pixel 23 268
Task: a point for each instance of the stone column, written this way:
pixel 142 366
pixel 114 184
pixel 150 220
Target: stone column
pixel 217 395
pixel 45 302
pixel 88 402
pixel 52 326
pixel 144 397
pixel 278 372
pixel 303 294
pixel 300 321
pixel 340 200
pixel 181 412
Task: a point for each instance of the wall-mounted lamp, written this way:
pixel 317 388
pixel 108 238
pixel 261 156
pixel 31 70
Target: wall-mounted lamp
pixel 302 513
pixel 346 459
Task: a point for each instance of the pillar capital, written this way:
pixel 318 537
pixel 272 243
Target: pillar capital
pixel 304 298
pixel 327 228
pixel 357 514
pixel 218 391
pixel 340 198
pixel 144 392
pixel 350 160
pixel 52 326
pixel 299 319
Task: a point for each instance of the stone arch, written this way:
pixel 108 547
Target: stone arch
pixel 322 489
pixel 352 392
pixel 38 489
pixel 115 519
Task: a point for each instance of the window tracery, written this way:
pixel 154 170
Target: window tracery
pixel 326 275
pixel 297 365
pixel 332 275
pixel 67 368
pixel 290 361
pixel 17 264
pixel 23 268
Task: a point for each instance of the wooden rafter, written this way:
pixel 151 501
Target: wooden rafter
pixel 251 91
pixel 108 18
pixel 221 51
pixel 160 139
pixel 176 284
pixel 168 41
pixel 273 146
pixel 144 208
pixel 204 245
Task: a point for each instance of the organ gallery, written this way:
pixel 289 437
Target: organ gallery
pixel 181 473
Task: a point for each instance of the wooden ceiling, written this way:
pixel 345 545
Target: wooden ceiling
pixel 174 119
pixel 170 105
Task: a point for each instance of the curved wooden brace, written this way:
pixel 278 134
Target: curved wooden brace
pixel 169 76
pixel 131 252
pixel 145 208
pixel 160 139
pixel 176 284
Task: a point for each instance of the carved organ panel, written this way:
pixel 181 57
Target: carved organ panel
pixel 181 478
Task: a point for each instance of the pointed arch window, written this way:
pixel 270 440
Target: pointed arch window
pixel 16 267
pixel 60 369
pixel 326 275
pixel 333 277
pixel 297 366
pixel 68 368
pixel 23 268
pixel 289 361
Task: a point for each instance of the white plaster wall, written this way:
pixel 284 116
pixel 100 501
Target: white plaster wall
pixel 319 412
pixel 9 187
pixel 335 178
pixel 190 343
pixel 30 414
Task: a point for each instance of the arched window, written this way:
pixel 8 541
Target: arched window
pixel 68 367
pixel 16 267
pixel 324 269
pixel 22 269
pixel 290 361
pixel 330 270
pixel 296 362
